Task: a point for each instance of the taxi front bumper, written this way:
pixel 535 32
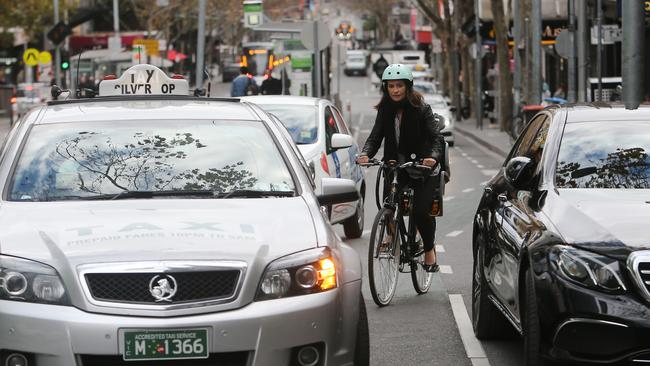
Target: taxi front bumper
pixel 267 332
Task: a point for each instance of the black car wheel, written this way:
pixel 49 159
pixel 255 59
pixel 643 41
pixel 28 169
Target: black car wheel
pixel 488 322
pixel 362 347
pixel 353 226
pixel 531 326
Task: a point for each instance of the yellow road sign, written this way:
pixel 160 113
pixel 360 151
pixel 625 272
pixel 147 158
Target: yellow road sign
pixel 151 45
pixel 44 57
pixel 31 56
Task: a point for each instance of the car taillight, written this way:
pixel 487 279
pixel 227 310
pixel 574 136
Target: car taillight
pixel 323 163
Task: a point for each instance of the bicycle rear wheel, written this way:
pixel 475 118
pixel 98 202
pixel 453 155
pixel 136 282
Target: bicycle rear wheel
pixel 420 278
pixel 383 257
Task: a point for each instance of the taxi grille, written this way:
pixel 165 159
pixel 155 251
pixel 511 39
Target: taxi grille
pixel 189 286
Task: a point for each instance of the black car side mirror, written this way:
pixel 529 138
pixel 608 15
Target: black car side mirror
pixel 519 172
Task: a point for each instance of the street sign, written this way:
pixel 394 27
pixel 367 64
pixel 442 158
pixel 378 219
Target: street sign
pixel 44 57
pixel 150 45
pixel 253 13
pixel 612 33
pixel 322 32
pixel 31 56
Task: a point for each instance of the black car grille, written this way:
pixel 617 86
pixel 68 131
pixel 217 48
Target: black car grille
pixel 644 274
pixel 190 286
pixel 215 359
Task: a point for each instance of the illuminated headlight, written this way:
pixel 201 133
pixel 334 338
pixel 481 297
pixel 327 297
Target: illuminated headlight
pixel 302 273
pixel 588 269
pixel 23 280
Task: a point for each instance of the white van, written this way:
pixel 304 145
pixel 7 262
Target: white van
pixel 356 62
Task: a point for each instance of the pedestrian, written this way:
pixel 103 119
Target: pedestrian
pixel 271 85
pixel 559 92
pixel 410 131
pixel 244 84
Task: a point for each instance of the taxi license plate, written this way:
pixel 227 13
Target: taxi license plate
pixel 165 344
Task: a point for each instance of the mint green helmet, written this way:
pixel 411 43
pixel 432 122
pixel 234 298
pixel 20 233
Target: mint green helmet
pixel 397 72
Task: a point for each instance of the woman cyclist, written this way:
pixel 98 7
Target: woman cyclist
pixel 410 131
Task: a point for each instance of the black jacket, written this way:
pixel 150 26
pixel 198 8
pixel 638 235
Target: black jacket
pixel 419 131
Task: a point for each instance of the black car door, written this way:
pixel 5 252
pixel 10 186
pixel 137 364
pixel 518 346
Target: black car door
pixel 513 218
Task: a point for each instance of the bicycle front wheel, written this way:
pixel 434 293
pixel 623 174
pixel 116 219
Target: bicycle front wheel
pixel 383 257
pixel 419 276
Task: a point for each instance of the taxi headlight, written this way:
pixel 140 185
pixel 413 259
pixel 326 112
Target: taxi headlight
pixel 302 273
pixel 24 280
pixel 588 269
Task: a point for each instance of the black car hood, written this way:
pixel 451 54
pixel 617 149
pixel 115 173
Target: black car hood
pixel 609 221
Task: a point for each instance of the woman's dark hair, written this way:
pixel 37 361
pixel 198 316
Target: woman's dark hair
pixel 413 97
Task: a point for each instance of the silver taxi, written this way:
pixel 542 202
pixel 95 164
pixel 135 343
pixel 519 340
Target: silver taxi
pixel 146 225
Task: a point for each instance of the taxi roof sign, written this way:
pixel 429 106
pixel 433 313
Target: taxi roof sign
pixel 144 79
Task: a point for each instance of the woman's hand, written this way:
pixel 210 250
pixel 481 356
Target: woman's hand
pixel 429 161
pixel 363 159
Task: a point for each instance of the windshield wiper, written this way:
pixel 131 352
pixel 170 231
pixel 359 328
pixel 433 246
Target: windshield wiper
pixel 150 194
pixel 249 193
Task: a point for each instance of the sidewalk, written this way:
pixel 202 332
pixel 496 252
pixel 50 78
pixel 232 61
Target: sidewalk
pixel 490 137
pixel 4 127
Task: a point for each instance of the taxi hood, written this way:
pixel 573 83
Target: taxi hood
pixel 75 233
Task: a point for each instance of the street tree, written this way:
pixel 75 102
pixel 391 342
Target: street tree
pixel 503 61
pixel 34 16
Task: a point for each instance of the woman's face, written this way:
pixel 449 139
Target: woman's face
pixel 396 90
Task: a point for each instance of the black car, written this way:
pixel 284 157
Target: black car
pixel 561 238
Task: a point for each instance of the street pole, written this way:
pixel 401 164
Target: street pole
pixel 571 92
pixel 536 38
pixel 200 46
pixel 317 61
pixel 515 49
pixel 633 54
pixel 599 56
pixel 582 50
pixel 57 49
pixel 479 95
pixel 338 69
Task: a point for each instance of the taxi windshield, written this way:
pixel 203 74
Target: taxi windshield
pixel 67 161
pixel 299 120
pixel 608 154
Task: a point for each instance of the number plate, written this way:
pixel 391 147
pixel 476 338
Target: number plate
pixel 172 344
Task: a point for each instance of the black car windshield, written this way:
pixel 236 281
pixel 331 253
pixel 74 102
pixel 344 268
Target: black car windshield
pixel 608 154
pixel 67 161
pixel 300 121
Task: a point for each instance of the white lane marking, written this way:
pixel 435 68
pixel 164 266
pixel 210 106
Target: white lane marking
pixel 474 161
pixel 467 190
pixel 464 155
pixel 440 248
pixel 473 347
pixel 479 166
pixel 489 172
pixel 366 232
pixel 448 198
pixel 454 233
pixel 446 269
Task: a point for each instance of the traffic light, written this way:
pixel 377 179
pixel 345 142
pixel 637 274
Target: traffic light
pixel 65 61
pixel 58 33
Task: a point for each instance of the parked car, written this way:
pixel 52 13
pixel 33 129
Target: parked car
pixel 147 226
pixel 230 71
pixel 324 139
pixel 560 240
pixel 440 106
pixel 28 96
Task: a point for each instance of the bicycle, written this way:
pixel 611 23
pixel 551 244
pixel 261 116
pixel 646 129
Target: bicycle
pixel 405 247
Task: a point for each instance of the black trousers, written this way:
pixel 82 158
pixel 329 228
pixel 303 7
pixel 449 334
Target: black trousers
pixel 424 189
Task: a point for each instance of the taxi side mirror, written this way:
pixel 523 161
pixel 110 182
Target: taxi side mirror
pixel 341 141
pixel 337 190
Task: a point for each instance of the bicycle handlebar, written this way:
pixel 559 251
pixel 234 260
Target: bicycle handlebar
pixel 393 164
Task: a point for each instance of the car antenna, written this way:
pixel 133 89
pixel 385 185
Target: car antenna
pixel 78 90
pixel 207 74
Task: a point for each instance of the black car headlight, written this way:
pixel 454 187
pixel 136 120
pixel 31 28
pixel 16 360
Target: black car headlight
pixel 29 281
pixel 588 269
pixel 302 273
